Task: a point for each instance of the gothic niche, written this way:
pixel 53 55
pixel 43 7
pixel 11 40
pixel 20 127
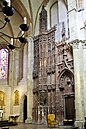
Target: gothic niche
pixel 43 98
pixel 66 82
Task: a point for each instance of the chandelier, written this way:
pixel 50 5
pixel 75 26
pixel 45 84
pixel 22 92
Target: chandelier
pixel 8 10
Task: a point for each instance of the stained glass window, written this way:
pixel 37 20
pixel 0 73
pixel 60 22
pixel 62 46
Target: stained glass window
pixel 3 63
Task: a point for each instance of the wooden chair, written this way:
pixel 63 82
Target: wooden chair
pixel 51 121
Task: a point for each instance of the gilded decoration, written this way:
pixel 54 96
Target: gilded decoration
pixel 2 98
pixel 16 98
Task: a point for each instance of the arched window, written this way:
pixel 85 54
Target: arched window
pixel 54 19
pixel 59 18
pixel 3 63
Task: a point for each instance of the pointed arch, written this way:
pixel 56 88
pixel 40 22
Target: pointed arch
pixel 65 70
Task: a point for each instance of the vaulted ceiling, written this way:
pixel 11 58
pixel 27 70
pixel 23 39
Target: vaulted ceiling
pixel 28 8
pixel 24 8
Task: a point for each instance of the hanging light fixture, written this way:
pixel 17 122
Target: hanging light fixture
pixel 8 11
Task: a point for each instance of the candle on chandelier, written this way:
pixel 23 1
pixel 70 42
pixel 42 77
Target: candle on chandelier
pixel 9 2
pixel 25 20
pixel 11 41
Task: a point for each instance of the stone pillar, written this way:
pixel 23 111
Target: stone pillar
pixel 79 87
pixel 72 19
pixel 76 21
pixel 77 36
pixel 11 80
pixel 30 80
pixel 84 75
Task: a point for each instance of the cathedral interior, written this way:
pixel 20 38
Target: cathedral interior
pixel 44 72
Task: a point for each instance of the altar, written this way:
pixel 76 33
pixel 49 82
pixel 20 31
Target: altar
pixel 14 117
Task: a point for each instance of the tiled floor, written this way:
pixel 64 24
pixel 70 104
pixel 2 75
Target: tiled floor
pixel 27 126
pixel 33 126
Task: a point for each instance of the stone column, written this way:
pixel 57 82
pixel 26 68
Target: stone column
pixel 76 28
pixel 30 79
pixel 72 14
pixel 79 87
pixel 84 75
pixel 11 80
pixel 76 21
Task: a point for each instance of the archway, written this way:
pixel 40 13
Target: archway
pixel 25 109
pixel 66 86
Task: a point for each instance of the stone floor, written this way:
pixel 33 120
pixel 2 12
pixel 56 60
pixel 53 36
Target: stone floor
pixel 33 126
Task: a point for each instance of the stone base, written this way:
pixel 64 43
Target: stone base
pixel 28 120
pixel 79 123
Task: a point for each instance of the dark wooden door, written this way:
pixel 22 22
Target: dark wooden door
pixel 25 108
pixel 69 107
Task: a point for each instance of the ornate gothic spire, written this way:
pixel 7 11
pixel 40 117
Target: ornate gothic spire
pixel 43 20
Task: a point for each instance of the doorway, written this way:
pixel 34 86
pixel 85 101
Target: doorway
pixel 25 109
pixel 69 107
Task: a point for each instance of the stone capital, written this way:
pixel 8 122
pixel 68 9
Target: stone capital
pixel 84 45
pixel 30 39
pixel 75 44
